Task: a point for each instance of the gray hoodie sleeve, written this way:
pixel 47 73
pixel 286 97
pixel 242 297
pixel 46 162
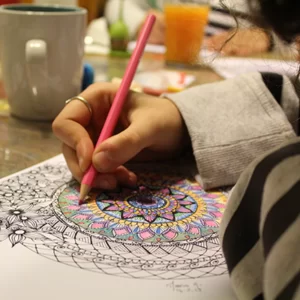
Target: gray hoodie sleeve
pixel 232 122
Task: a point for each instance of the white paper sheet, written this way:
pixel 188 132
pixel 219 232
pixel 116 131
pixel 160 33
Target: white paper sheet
pixel 27 202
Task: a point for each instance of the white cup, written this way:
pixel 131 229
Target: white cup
pixel 42 48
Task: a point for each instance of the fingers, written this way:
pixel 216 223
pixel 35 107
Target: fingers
pixel 70 124
pixel 99 96
pixel 107 181
pixel 122 147
pixel 121 176
pixel 72 162
pixel 76 137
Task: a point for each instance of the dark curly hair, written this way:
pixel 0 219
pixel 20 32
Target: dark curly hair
pixel 282 16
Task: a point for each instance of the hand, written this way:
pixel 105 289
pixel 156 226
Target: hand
pixel 157 35
pixel 149 128
pixel 244 42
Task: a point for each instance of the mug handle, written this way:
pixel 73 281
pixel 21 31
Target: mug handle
pixel 37 73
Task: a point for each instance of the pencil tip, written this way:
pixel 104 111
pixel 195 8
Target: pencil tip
pixel 84 190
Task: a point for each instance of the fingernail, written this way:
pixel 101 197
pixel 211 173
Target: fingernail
pixel 81 164
pixel 102 160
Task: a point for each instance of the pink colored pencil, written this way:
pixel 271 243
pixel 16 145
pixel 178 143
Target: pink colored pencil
pixel 119 100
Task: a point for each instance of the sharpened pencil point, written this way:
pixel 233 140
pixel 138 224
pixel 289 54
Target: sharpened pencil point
pixel 84 190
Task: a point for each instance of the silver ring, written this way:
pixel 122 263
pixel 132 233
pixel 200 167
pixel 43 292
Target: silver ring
pixel 89 107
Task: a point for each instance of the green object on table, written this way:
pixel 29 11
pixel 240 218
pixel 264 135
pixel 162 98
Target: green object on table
pixel 119 35
pixel 118 53
pixel 119 30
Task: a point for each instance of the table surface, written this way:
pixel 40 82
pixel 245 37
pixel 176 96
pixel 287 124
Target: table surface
pixel 24 143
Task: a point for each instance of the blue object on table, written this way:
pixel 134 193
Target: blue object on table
pixel 88 76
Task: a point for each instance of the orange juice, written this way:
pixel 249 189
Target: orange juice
pixel 185 25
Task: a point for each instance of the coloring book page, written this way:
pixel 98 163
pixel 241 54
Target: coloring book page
pixel 156 241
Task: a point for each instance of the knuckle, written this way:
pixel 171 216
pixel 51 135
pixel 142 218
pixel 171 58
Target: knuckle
pixel 96 85
pixel 132 137
pixel 56 126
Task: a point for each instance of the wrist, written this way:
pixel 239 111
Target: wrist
pixel 184 137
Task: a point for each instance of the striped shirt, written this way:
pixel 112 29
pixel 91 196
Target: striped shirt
pixel 260 229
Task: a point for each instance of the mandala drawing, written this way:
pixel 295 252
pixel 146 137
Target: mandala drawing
pixel 166 228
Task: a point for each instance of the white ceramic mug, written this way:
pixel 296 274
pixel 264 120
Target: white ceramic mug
pixel 42 48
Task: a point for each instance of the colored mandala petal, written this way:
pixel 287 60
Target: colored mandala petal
pixel 73 207
pixel 179 196
pixel 121 205
pixel 212 196
pixel 150 218
pixel 193 229
pixel 146 234
pixel 98 225
pixel 216 214
pixel 165 191
pixel 157 212
pixel 183 210
pixel 170 234
pixel 81 217
pixel 185 202
pixel 122 231
pixel 197 187
pixel 211 223
pixel 220 205
pixel 72 197
pixel 113 208
pixel 108 201
pixel 128 215
pixel 168 216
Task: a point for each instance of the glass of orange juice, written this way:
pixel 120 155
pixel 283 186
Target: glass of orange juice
pixel 185 30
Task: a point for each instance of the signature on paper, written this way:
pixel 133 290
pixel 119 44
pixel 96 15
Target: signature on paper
pixel 194 287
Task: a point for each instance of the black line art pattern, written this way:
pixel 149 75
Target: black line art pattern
pixel 166 228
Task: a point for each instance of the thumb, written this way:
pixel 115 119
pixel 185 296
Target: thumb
pixel 119 149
